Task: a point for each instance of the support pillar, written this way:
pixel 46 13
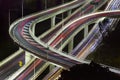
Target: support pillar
pixel 33 29
pixel 20 48
pixel 53 21
pixel 51 67
pixel 85 31
pixel 27 57
pixel 69 12
pixel 70 45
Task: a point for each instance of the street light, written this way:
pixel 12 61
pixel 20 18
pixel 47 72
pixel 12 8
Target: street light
pixel 62 1
pixel 9 12
pixel 22 5
pixel 9 15
pixel 45 4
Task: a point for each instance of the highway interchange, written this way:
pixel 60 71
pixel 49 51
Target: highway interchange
pixel 21 32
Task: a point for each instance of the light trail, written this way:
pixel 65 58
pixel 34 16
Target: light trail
pixel 49 48
pixel 43 51
pixel 58 10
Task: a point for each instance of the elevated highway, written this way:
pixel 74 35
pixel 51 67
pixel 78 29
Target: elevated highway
pixel 52 54
pixel 87 5
pixel 21 32
pixel 54 11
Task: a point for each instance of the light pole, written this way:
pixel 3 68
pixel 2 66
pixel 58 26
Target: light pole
pixel 9 17
pixel 45 4
pixel 22 6
pixel 62 1
pixel 62 25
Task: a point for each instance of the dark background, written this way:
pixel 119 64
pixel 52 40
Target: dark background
pixel 14 7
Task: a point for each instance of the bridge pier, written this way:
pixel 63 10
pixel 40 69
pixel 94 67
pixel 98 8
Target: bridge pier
pixel 69 12
pixel 85 31
pixel 53 21
pixel 33 29
pixel 28 57
pixel 70 45
pixel 51 67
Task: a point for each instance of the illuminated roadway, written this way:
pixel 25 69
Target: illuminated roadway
pixel 12 62
pixel 104 26
pixel 21 34
pixel 77 13
pixel 83 21
pixel 56 10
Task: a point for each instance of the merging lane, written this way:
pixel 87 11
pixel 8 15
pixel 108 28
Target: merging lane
pixel 24 37
pixel 40 49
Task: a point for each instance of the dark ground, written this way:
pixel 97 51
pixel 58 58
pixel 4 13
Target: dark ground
pixel 108 51
pixel 92 71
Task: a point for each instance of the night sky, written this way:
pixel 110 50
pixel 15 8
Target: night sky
pixel 7 46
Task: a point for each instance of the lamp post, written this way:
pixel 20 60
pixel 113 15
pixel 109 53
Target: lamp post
pixel 45 4
pixel 62 1
pixel 9 15
pixel 22 6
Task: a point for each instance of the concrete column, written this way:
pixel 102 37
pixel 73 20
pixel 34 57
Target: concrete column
pixel 51 67
pixel 27 57
pixel 53 21
pixel 20 48
pixel 71 45
pixel 33 28
pixel 85 31
pixel 69 12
